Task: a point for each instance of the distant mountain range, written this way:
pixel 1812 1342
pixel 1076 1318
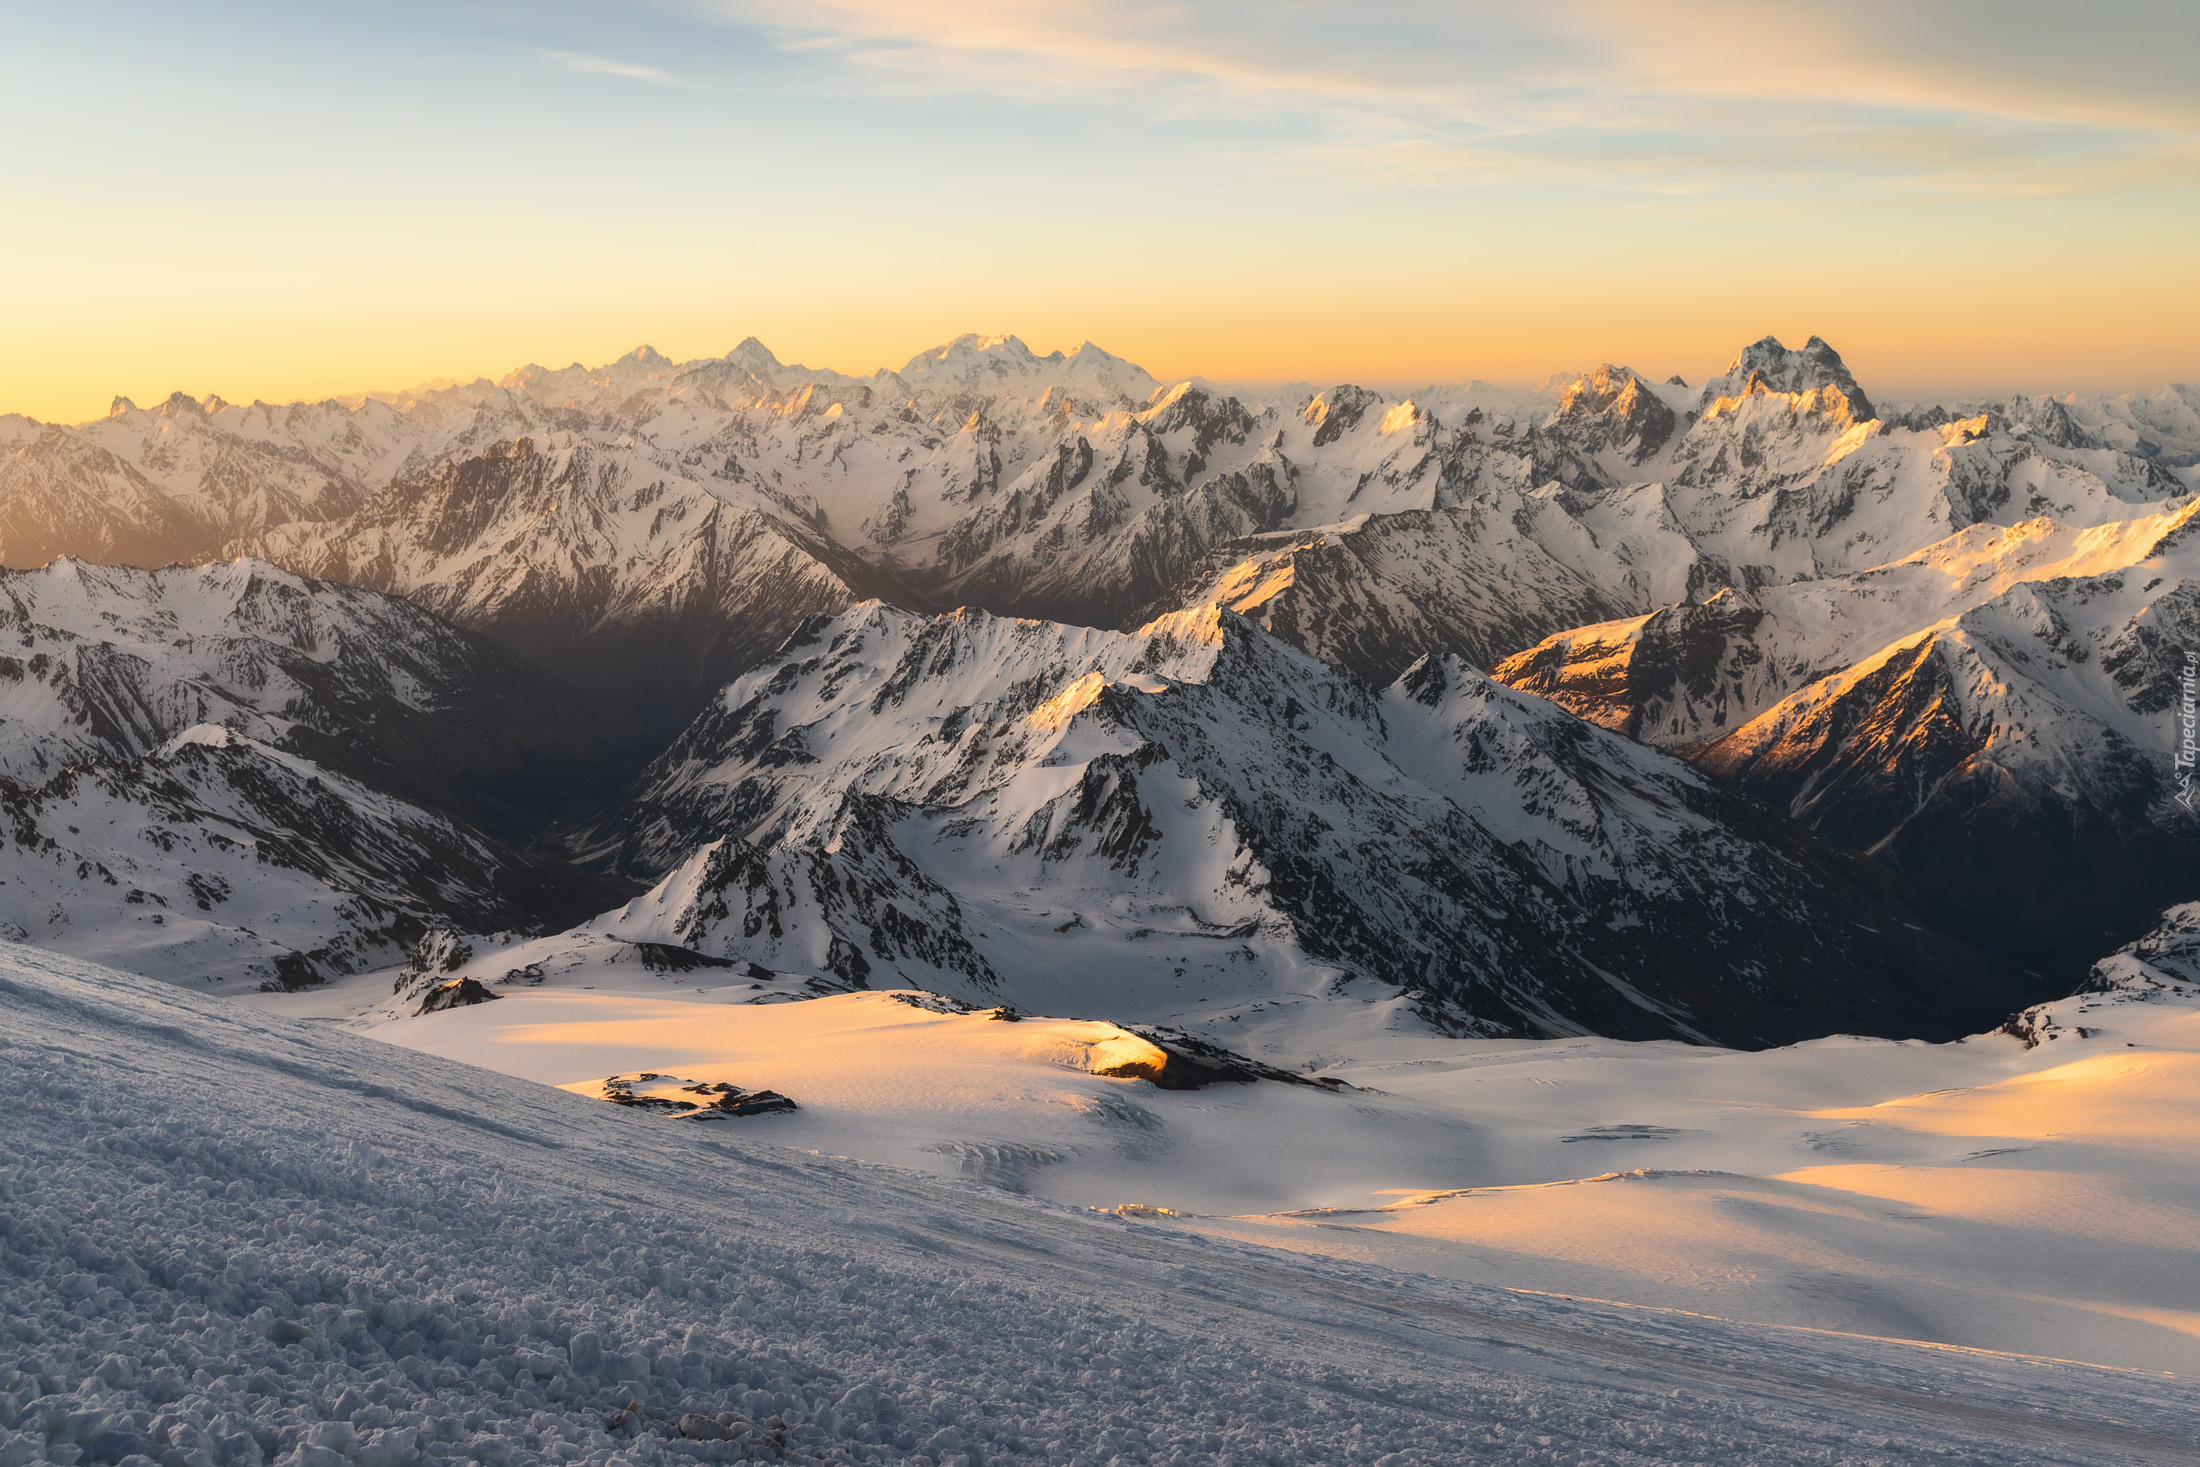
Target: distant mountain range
pixel 657 526
pixel 1948 636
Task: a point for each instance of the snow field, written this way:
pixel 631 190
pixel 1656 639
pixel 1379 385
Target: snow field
pixel 231 1238
pixel 2041 1200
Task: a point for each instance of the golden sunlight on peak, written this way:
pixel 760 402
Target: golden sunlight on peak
pixel 1055 713
pixel 1855 438
pixel 1162 399
pixel 1966 430
pixel 1194 625
pixel 1252 584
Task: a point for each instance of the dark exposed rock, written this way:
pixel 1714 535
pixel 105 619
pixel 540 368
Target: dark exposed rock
pixel 439 950
pixel 457 994
pixel 1192 1063
pixel 1769 365
pixel 664 957
pixel 690 1101
pixel 1613 408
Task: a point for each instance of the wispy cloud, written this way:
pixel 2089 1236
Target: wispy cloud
pixel 1981 96
pixel 581 62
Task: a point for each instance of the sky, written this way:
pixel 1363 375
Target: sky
pixel 294 200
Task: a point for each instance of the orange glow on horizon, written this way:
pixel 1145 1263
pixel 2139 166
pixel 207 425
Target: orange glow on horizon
pixel 1927 344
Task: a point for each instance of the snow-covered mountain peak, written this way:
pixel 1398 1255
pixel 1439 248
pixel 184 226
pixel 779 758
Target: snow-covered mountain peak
pixel 1959 431
pixel 754 357
pixel 1089 365
pixel 185 601
pixel 1339 408
pixel 996 352
pixel 1598 390
pixel 1616 408
pixel 1785 369
pixel 1769 365
pixel 1157 822
pixel 977 363
pixel 598 389
pixel 1005 366
pixel 1193 624
pixel 1835 409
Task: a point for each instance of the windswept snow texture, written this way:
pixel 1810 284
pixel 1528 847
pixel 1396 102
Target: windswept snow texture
pixel 227 1238
pixel 1152 825
pixel 2035 1188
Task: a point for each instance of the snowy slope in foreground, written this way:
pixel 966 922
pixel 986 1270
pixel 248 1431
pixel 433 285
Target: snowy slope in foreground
pixel 1985 1193
pixel 229 1238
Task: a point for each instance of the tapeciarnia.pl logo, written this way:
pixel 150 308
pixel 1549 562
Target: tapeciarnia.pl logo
pixel 2188 723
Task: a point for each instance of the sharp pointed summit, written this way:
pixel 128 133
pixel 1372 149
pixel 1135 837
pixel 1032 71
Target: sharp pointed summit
pixel 1769 364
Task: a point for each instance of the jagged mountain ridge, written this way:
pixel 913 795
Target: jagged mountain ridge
pixel 113 661
pixel 1153 824
pixel 651 528
pixel 176 482
pixel 1650 508
pixel 695 512
pixel 229 770
pixel 1994 715
pixel 216 858
pixel 1696 670
pixel 643 587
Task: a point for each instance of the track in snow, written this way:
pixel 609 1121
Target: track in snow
pixel 226 1237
